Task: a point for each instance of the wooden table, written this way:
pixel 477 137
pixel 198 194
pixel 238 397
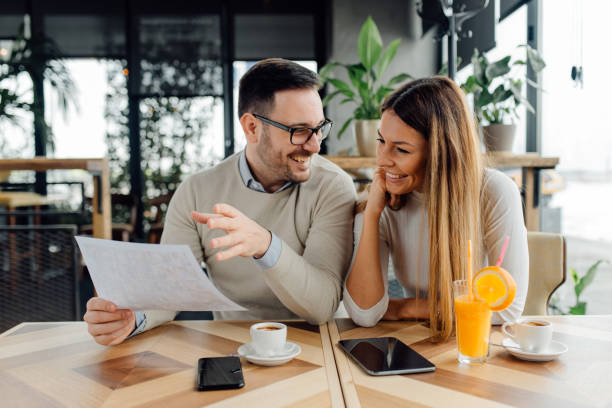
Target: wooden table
pixel 530 163
pixel 98 169
pixel 579 378
pixel 59 364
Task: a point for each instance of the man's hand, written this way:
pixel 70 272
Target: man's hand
pixel 244 236
pixel 107 324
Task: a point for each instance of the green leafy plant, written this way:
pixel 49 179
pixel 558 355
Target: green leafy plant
pixel 364 89
pixel 580 284
pixel 174 136
pixel 497 92
pixel 10 102
pixel 40 58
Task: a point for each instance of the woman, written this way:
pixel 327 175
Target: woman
pixel 430 194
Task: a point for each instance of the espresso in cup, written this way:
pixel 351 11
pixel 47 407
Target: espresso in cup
pixel 268 328
pixel 532 335
pixel 268 338
pixel 536 324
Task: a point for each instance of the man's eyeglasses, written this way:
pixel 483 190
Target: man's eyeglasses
pixel 301 135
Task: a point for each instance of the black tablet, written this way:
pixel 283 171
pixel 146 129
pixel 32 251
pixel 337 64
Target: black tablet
pixel 386 356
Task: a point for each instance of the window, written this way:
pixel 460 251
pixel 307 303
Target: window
pixel 576 128
pixel 80 132
pixel 179 51
pixel 16 140
pixel 511 33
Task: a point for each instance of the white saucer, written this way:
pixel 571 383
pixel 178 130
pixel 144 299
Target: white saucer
pixel 290 351
pixel 555 349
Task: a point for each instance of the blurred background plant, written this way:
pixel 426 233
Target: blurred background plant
pixel 38 57
pixel 580 284
pixel 365 89
pixel 172 135
pixel 497 93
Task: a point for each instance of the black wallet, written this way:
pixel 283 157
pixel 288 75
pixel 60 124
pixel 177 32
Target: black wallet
pixel 219 373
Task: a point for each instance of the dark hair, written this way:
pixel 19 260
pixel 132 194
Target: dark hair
pixel 262 80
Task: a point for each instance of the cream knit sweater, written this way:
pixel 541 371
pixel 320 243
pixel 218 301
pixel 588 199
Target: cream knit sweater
pixel 400 232
pixel 314 220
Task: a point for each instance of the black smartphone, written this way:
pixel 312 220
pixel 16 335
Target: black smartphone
pixel 219 373
pixel 385 356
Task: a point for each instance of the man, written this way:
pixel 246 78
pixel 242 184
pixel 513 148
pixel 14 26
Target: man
pixel 273 223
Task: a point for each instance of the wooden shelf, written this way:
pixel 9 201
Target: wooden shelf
pixel 493 159
pixel 353 162
pixel 530 163
pixel 42 164
pixel 521 160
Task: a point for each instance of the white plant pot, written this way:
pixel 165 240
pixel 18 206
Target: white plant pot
pixel 498 137
pixel 365 134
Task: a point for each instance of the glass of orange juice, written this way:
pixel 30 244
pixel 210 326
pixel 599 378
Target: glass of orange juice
pixel 473 323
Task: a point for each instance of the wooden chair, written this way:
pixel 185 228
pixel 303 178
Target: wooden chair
pixel 14 199
pixel 158 206
pixel 547 270
pixel 43 279
pixel 120 231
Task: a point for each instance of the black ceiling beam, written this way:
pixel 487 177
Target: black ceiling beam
pixel 277 6
pixel 13 7
pixel 175 7
pixel 70 7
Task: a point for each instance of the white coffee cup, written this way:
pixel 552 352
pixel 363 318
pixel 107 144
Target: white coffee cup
pixel 532 335
pixel 268 338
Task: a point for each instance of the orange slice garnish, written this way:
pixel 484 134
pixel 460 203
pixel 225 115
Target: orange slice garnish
pixel 495 286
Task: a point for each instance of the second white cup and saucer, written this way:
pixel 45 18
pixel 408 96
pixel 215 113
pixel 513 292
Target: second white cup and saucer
pixel 269 345
pixel 531 340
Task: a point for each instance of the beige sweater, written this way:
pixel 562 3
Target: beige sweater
pixel 314 220
pixel 502 215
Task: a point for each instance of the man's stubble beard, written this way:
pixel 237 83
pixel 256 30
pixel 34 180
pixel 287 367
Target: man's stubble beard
pixel 277 163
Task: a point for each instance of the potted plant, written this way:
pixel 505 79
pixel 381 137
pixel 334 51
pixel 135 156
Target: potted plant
pixel 580 284
pixel 364 89
pixel 497 95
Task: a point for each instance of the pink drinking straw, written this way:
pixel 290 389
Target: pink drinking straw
pixel 503 251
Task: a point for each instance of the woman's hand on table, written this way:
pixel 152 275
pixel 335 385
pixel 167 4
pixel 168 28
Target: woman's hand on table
pixel 407 308
pixel 107 324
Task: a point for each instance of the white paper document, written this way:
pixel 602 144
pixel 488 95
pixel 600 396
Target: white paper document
pixel 150 277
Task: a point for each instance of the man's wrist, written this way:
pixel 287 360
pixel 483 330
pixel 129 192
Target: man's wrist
pixel 140 321
pixel 266 244
pixel 272 255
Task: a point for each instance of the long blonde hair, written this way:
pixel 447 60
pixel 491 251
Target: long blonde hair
pixel 436 107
